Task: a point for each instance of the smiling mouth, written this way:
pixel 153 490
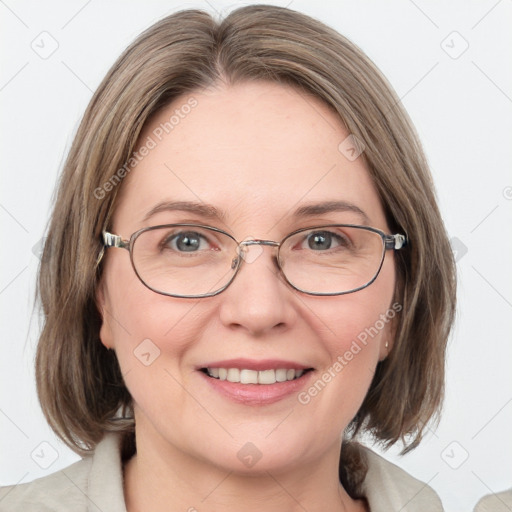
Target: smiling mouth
pixel 245 376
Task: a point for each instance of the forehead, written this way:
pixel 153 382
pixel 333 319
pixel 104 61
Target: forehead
pixel 255 151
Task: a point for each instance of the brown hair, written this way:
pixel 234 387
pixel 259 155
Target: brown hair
pixel 79 382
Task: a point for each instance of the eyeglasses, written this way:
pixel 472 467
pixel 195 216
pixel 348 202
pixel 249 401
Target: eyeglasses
pixel 194 261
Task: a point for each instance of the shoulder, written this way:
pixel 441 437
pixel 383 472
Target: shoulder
pixel 64 490
pixel 94 483
pixel 498 502
pixel 388 487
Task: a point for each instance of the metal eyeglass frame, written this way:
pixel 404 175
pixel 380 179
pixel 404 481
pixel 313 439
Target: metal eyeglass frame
pixel 390 242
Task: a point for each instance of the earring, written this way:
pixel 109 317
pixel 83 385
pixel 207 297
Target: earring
pixel 387 346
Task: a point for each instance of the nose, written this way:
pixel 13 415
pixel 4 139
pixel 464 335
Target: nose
pixel 258 301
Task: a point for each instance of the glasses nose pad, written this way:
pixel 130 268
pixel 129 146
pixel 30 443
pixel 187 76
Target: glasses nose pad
pixel 250 249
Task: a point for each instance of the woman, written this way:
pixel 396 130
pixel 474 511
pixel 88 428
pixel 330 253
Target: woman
pixel 245 270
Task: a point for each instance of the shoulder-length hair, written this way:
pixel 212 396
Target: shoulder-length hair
pixel 79 382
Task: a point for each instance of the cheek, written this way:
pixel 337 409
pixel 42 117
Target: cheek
pixel 170 324
pixel 362 318
pixel 353 329
pixel 153 336
pixel 146 325
pixel 351 332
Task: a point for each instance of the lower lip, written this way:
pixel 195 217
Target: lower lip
pixel 257 394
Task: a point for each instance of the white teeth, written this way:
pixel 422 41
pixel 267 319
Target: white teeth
pixel 248 377
pixel 267 377
pixel 254 376
pixel 233 375
pixel 281 375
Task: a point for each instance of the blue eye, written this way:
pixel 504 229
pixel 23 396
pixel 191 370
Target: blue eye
pixel 323 240
pixel 320 240
pixel 187 241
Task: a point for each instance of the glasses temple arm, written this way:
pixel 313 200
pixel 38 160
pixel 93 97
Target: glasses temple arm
pixel 395 242
pixel 110 240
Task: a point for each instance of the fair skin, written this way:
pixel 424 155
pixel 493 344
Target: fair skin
pixel 257 151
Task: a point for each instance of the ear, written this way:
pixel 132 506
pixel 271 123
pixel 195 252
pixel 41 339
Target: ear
pixel 102 303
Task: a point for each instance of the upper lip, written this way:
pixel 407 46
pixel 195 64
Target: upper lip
pixel 254 364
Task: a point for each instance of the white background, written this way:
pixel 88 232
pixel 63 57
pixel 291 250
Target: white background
pixel 462 109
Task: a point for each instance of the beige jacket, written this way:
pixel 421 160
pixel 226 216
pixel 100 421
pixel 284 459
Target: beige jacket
pixel 95 484
pixel 498 502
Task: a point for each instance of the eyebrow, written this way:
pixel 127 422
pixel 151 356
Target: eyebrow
pixel 211 212
pixel 202 209
pixel 310 210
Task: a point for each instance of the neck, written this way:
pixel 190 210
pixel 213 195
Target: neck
pixel 160 477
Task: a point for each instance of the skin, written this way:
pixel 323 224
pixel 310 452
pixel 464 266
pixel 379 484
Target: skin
pixel 257 151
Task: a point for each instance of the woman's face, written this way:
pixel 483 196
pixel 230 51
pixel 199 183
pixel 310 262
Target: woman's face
pixel 257 153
